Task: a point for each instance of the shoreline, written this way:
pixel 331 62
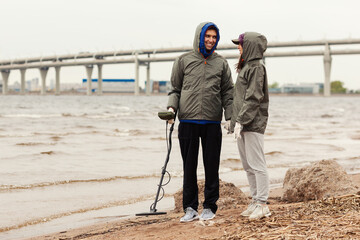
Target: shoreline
pixel 228 223
pixel 75 93
pixel 99 138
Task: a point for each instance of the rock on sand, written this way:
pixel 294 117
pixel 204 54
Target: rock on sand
pixel 322 179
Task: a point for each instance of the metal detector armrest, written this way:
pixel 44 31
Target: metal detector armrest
pixel 166 115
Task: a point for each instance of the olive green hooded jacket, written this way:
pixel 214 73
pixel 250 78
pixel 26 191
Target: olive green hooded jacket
pixel 251 97
pixel 201 88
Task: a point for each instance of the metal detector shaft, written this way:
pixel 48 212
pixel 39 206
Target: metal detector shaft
pixel 153 207
pixel 164 116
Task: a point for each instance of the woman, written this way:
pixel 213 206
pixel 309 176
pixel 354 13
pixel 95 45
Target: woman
pixel 249 119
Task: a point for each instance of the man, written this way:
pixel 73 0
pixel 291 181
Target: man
pixel 201 88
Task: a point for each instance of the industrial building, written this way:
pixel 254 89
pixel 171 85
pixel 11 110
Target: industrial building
pixel 302 88
pixel 125 86
pixel 112 85
pixel 305 88
pixel 160 86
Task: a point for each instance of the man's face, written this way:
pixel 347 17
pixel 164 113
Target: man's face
pixel 210 39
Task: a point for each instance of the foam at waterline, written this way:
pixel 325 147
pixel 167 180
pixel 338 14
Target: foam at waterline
pixel 273 153
pixel 57 136
pixel 65 182
pixel 49 218
pixel 130 132
pixel 53 135
pixel 105 115
pixel 35 143
pixel 124 108
pixel 86 219
pixel 69 115
pixel 23 115
pixel 223 169
pixel 234 164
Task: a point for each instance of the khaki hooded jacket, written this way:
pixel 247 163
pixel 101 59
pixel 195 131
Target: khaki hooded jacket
pixel 201 88
pixel 251 97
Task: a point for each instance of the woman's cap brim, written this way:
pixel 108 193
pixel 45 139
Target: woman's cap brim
pixel 236 41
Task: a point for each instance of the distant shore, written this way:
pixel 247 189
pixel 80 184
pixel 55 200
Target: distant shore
pixel 164 94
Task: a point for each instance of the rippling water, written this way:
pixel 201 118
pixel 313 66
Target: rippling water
pixel 68 161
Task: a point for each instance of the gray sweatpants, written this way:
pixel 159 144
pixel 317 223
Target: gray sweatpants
pixel 251 149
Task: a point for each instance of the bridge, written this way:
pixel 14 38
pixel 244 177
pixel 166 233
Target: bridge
pixel 144 57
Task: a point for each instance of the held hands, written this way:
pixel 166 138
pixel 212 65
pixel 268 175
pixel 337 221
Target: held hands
pixel 237 130
pixel 171 121
pixel 227 126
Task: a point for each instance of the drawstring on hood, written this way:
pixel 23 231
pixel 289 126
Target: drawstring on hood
pixel 199 40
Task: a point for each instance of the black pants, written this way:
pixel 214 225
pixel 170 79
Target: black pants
pixel 189 138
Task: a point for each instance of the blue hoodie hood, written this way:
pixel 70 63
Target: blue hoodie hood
pixel 199 44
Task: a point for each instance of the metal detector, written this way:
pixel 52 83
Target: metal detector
pixel 153 211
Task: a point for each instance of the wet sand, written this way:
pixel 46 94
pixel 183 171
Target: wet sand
pixel 334 218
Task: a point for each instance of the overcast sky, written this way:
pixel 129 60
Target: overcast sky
pixel 31 28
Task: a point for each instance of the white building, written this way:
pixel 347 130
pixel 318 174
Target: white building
pixel 33 85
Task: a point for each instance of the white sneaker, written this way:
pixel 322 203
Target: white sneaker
pixel 207 214
pixel 249 209
pixel 261 210
pixel 190 215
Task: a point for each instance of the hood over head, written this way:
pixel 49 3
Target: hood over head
pixel 254 45
pixel 199 45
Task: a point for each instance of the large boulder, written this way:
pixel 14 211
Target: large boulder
pixel 322 179
pixel 230 196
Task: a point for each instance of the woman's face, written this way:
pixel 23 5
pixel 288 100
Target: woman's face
pixel 240 49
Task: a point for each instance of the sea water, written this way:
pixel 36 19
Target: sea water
pixel 69 161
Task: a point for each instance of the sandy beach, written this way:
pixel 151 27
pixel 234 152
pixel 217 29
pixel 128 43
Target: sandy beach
pixel 332 218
